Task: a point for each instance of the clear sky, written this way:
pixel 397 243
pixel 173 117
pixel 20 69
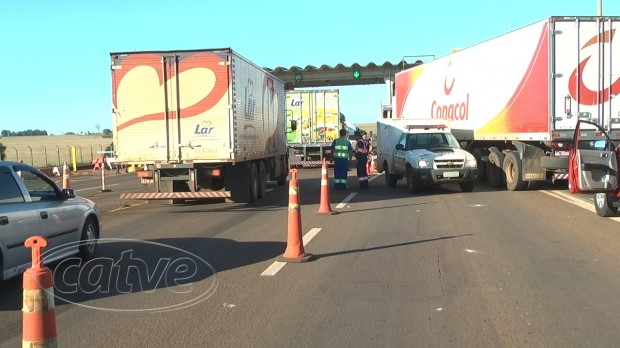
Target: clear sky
pixel 55 63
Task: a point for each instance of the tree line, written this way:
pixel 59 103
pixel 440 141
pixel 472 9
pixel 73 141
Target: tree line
pixel 35 132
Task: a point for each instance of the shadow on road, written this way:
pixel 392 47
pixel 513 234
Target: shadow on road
pixel 158 274
pixel 344 252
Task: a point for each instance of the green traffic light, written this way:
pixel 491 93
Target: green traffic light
pixel 357 74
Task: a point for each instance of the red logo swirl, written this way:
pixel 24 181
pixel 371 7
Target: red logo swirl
pixel 575 83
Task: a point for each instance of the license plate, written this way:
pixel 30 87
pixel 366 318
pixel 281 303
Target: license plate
pixel 561 153
pixel 450 174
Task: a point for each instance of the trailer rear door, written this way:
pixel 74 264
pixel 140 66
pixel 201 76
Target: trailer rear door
pixel 171 106
pixel 585 60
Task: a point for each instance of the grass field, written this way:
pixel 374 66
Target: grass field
pixel 54 150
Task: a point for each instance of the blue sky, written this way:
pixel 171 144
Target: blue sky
pixel 55 54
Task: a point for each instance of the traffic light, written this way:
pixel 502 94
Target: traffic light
pixel 356 74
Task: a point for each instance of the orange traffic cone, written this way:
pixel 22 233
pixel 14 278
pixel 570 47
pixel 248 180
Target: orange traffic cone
pixel 294 243
pixel 373 164
pixel 39 318
pixel 65 177
pixel 325 208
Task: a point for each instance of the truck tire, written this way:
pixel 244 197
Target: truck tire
pixel 604 204
pixel 254 183
pixel 495 172
pixel 411 186
pixel 262 180
pixel 513 168
pixel 482 156
pixel 390 180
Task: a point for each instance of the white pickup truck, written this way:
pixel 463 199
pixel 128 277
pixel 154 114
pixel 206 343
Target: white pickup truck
pixel 424 152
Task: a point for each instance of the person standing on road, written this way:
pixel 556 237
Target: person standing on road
pixel 341 148
pixel 361 155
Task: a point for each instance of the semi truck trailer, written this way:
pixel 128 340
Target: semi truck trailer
pixel 514 100
pixel 203 124
pixel 316 113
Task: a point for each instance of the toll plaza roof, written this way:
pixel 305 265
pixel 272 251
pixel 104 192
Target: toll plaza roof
pixel 340 75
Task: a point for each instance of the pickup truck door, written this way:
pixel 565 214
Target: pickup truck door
pixel 400 155
pixel 593 163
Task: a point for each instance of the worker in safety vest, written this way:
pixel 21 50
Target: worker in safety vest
pixel 361 155
pixel 341 148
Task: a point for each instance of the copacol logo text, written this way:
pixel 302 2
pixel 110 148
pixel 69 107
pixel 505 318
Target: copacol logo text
pixel 140 276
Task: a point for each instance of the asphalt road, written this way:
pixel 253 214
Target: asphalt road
pixel 440 268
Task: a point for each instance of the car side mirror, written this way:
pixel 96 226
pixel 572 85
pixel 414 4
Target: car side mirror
pixel 68 193
pixel 400 147
pixel 293 125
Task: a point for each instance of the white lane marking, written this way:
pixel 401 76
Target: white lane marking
pixel 276 266
pixel 575 201
pixel 346 200
pixel 471 251
pixel 311 234
pixel 94 188
pixel 273 269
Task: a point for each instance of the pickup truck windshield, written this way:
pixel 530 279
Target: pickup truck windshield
pixel 430 140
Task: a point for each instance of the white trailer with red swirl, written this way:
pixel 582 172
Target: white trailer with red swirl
pixel 206 123
pixel 514 100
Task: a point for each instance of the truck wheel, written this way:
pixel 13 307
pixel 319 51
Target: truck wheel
pixel 513 167
pixel 604 204
pixel 495 173
pixel 467 186
pixel 262 180
pixel 254 185
pixel 390 180
pixel 411 186
pixel 482 156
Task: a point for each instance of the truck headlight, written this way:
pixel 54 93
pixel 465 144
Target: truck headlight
pixel 470 161
pixel 423 164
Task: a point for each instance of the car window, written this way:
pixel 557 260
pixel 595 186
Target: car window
pixel 9 189
pixel 38 188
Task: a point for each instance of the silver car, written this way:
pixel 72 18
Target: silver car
pixel 33 204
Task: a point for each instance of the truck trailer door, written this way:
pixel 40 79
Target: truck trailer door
pixel 586 71
pixel 172 107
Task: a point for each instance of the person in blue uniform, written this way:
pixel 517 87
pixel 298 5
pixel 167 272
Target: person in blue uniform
pixel 341 148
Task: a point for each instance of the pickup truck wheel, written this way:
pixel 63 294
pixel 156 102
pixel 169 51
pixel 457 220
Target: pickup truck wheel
pixel 411 186
pixel 467 186
pixel 88 240
pixel 482 156
pixel 513 167
pixel 604 204
pixel 390 180
pixel 495 172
